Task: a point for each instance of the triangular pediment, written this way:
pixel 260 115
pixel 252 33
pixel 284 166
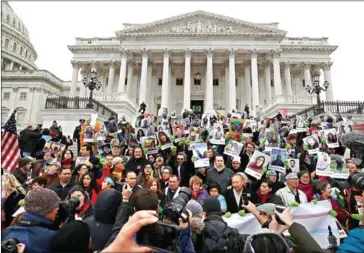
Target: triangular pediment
pixel 200 22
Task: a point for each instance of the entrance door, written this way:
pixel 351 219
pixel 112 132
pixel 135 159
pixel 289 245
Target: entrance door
pixel 197 106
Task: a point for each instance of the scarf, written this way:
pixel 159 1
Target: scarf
pixel 195 194
pixel 264 197
pixel 84 209
pixel 66 162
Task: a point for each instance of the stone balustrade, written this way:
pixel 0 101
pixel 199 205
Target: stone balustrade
pixel 295 99
pixel 109 97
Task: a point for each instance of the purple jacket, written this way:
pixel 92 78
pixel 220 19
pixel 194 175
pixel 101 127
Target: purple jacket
pixel 202 196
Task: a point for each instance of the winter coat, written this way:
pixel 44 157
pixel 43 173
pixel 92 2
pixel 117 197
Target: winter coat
pixel 202 195
pixel 354 243
pixel 288 197
pixel 102 221
pixel 136 165
pixel 28 139
pixel 308 189
pixel 223 179
pixel 11 205
pixel 36 238
pixel 232 207
pixel 20 176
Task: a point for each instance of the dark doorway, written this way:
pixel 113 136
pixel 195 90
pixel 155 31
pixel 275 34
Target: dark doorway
pixel 197 106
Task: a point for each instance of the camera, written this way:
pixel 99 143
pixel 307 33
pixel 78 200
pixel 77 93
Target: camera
pixel 9 246
pixel 357 180
pixel 67 210
pixel 177 207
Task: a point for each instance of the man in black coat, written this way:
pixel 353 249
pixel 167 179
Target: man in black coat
pixel 234 195
pixel 184 169
pixel 76 135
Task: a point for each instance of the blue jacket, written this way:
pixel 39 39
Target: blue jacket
pixel 37 239
pixel 354 243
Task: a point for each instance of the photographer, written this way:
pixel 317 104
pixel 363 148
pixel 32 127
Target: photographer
pixel 35 228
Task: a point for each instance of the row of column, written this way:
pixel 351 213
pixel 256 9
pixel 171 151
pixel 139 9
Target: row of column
pixel 250 92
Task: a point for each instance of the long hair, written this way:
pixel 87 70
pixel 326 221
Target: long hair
pixel 64 152
pixel 92 183
pixel 11 184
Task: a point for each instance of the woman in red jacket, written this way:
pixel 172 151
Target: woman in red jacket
pixel 323 192
pixel 88 183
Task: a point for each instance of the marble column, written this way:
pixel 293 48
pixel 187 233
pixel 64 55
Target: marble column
pixel 12 100
pixel 143 77
pixel 129 84
pixel 242 93
pixel 36 107
pixel 261 84
pixel 165 80
pixel 11 66
pixel 277 73
pixel 209 100
pixel 267 81
pixel 82 92
pixel 110 83
pixel 327 77
pixel 187 81
pixel 307 74
pixel 76 69
pixel 232 86
pixel 254 73
pixel 30 106
pixel 149 89
pixel 287 78
pixel 226 86
pixel 124 58
pixel 247 85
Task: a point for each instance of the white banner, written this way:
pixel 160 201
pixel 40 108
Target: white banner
pixel 315 218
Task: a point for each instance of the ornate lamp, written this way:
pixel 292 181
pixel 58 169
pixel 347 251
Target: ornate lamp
pixel 92 84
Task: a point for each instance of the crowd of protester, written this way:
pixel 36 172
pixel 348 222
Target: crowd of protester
pixel 127 187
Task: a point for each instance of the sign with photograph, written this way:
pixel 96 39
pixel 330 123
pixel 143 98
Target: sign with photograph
pixel 293 165
pixel 278 157
pixel 150 143
pixel 312 143
pixel 257 163
pixel 236 128
pixel 332 139
pixel 55 148
pixel 323 164
pixel 104 149
pixel 195 133
pixel 178 133
pixel 233 148
pixel 199 152
pixel 164 140
pixel 217 136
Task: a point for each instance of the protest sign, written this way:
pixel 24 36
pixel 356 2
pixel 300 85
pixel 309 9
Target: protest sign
pixel 104 149
pixel 323 164
pixel 217 136
pixel 332 139
pixel 257 162
pixel 236 128
pixel 315 218
pixel 178 133
pixel 195 133
pixel 81 160
pixel 271 141
pixel 278 157
pixel 233 148
pixel 150 144
pixel 359 128
pixel 199 151
pixel 164 140
pixel 312 144
pixel 293 165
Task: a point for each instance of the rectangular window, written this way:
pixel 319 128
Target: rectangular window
pixel 271 82
pixel 179 81
pixel 236 81
pixel 303 83
pixel 126 81
pixel 23 96
pixel 196 82
pixel 6 95
pixel 216 82
pixel 160 81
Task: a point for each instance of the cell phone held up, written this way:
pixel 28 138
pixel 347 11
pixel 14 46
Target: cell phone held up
pixel 280 209
pixel 246 198
pixel 159 236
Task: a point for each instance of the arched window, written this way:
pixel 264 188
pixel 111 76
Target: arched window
pixel 8 19
pixel 14 22
pixel 21 51
pixel 26 53
pixel 6 43
pixel 14 47
pixel 18 25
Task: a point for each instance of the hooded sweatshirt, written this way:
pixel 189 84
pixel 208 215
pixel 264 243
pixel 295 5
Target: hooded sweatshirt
pixel 102 221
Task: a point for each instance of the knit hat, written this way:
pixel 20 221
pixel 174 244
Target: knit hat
pixel 272 173
pixel 116 160
pixel 194 207
pixel 73 237
pixel 24 161
pixel 291 176
pixel 211 205
pixel 41 201
pixel 237 159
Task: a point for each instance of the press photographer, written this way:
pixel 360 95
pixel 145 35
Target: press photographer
pixel 35 228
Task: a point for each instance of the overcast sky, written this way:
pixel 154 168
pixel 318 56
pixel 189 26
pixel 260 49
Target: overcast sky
pixel 54 25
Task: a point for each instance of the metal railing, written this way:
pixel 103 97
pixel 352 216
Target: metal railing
pixel 335 107
pixel 78 103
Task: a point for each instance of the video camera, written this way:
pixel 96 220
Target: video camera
pixel 177 207
pixel 357 147
pixel 67 210
pixel 9 246
pixel 357 180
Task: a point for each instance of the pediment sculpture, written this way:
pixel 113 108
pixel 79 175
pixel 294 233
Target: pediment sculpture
pixel 199 26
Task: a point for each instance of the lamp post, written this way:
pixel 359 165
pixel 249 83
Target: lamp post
pixel 91 84
pixel 316 88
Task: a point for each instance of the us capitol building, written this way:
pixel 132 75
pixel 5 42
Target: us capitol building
pixel 197 60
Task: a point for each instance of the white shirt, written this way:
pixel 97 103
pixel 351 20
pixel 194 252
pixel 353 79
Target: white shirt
pixel 237 197
pixel 179 171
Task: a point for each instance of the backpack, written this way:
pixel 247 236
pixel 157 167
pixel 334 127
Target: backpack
pixel 225 240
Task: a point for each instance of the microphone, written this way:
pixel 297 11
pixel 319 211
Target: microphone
pixel 350 139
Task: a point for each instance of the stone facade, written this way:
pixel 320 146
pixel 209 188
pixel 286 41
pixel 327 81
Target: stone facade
pixel 241 63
